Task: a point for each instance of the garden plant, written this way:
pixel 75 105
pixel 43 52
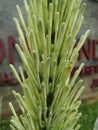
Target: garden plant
pixel 50 99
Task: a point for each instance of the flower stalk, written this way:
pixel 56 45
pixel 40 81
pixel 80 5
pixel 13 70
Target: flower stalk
pixel 50 98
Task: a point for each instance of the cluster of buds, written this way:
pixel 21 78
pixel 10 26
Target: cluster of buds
pixel 50 94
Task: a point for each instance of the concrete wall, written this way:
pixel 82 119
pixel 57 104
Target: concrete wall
pixel 90 22
pixel 90 19
pixel 7 27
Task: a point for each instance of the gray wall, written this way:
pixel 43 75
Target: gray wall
pixel 90 19
pixel 7 27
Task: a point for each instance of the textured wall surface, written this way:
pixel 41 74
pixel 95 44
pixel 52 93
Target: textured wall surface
pixel 91 19
pixel 90 22
pixel 7 28
pixel 7 12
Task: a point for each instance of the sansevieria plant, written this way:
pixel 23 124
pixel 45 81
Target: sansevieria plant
pixel 50 99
